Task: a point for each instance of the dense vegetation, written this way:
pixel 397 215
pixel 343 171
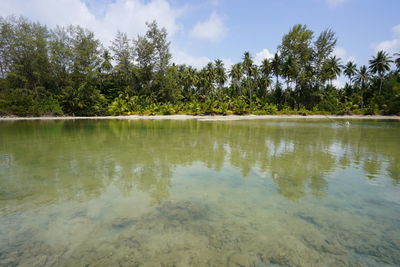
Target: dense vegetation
pixel 68 71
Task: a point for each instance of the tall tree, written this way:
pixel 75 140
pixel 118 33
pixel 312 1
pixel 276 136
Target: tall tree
pixel 220 75
pixel 397 61
pixel 276 67
pixel 323 48
pixel 86 52
pixel 290 70
pixel 153 57
pixel 61 56
pixel 379 65
pixel 362 79
pixel 249 72
pixel 350 70
pixel 236 75
pixel 123 56
pixel 152 49
pixel 266 70
pixel 296 44
pixel 331 69
pixel 25 54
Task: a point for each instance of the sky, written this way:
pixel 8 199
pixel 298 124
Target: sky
pixel 202 31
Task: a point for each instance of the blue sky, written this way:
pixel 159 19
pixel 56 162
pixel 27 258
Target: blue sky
pixel 206 30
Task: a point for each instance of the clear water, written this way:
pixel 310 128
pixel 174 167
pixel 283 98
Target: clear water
pixel 192 193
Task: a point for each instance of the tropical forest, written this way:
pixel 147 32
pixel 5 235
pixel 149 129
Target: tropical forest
pixel 68 71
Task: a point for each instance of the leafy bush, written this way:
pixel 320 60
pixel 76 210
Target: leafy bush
pixel 118 107
pixel 270 108
pixel 23 102
pixel 240 106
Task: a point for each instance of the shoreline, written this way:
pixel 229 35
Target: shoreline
pixel 204 117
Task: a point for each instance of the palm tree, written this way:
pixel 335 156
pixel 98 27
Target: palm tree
pixel 106 65
pixel 350 70
pixel 266 70
pixel 236 74
pixel 290 70
pixel 379 65
pixel 209 75
pixel 249 72
pixel 247 63
pixel 362 79
pixel 188 79
pixel 397 61
pixel 276 66
pixel 362 76
pixel 219 73
pixel 332 69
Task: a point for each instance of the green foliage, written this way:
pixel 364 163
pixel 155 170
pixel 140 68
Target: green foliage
pixel 240 106
pixel 168 109
pixel 22 102
pixel 68 71
pixel 118 107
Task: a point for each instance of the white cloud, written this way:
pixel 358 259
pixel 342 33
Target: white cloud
pixel 62 12
pixel 213 29
pixel 338 83
pixel 342 53
pixel 228 63
pixel 336 3
pixel 260 56
pixel 124 15
pixel 396 31
pixel 215 2
pixel 390 46
pixel 181 57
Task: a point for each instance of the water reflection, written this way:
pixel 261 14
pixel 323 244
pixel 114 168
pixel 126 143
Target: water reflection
pixel 79 159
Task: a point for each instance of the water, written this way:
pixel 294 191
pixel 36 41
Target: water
pixel 192 193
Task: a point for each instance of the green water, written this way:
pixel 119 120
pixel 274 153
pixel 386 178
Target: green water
pixel 192 193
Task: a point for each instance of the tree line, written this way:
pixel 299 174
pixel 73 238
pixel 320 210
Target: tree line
pixel 67 71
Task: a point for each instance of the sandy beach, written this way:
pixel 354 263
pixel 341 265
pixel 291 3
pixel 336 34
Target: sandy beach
pixel 204 117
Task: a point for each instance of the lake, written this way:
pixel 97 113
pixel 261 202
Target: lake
pixel 279 192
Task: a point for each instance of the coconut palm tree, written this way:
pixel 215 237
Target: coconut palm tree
pixel 247 63
pixel 290 70
pixel 276 66
pixel 397 61
pixel 362 79
pixel 266 70
pixel 209 75
pixel 350 70
pixel 188 79
pixel 332 69
pixel 106 65
pixel 362 76
pixel 380 64
pixel 219 74
pixel 250 72
pixel 236 74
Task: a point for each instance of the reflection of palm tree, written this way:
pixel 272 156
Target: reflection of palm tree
pixel 144 154
pixel 291 180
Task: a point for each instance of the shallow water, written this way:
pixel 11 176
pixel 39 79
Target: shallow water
pixel 192 193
